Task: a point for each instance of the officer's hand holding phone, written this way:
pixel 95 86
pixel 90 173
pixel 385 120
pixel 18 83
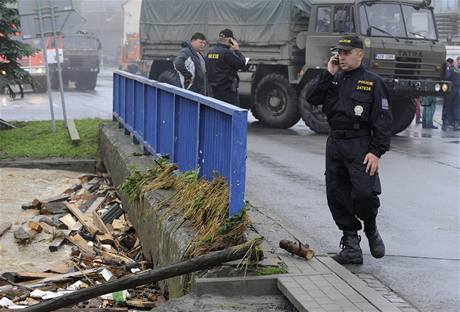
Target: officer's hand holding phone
pixel 333 64
pixel 234 44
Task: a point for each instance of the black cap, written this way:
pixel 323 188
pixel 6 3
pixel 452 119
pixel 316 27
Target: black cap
pixel 348 43
pixel 449 60
pixel 226 33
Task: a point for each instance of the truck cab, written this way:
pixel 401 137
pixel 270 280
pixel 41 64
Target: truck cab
pixel 400 44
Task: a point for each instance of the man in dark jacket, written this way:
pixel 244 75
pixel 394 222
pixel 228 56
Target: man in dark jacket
pixel 358 110
pixel 191 66
pixel 223 62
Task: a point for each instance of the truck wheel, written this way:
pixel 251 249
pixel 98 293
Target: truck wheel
pixel 275 102
pixel 91 81
pixel 170 77
pixel 403 111
pixel 312 115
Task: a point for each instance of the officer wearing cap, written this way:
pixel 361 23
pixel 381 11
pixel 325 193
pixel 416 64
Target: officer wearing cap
pixel 356 104
pixel 222 64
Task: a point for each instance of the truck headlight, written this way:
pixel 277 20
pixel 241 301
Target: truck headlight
pixel 437 87
pixel 445 87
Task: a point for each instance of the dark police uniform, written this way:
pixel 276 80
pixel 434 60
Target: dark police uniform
pixel 222 64
pixel 359 115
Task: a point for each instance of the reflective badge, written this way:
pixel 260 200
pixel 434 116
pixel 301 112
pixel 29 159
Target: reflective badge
pixel 359 110
pixel 385 104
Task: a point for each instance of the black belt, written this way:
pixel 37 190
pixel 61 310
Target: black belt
pixel 350 134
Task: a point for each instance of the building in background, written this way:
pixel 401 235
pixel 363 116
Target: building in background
pixel 447 13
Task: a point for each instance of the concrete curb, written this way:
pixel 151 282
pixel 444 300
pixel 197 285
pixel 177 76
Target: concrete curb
pixel 79 165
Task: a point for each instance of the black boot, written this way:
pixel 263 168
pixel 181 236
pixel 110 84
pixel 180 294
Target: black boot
pixel 351 252
pixel 376 244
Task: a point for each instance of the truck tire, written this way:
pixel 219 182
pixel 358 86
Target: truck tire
pixel 312 115
pixel 170 77
pixel 86 82
pixel 403 111
pixel 91 82
pixel 275 102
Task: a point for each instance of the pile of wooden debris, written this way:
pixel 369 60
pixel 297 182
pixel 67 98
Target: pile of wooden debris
pixel 89 216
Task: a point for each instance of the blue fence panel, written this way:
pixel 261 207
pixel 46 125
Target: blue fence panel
pixel 214 147
pixel 150 119
pixel 194 131
pixel 139 110
pixel 186 129
pixel 165 127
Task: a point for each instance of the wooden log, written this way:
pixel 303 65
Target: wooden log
pixel 85 220
pixel 148 276
pixel 4 226
pixel 73 132
pixel 56 243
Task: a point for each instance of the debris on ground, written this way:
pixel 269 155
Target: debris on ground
pixel 88 215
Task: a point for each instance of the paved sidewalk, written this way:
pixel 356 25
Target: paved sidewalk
pixel 321 284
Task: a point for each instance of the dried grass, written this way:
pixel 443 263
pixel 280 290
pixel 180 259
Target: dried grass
pixel 204 204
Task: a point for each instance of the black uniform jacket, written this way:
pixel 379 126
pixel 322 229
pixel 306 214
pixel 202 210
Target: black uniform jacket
pixel 352 100
pixel 222 65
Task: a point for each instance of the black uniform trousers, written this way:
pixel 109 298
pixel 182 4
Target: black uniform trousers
pixel 225 94
pixel 351 192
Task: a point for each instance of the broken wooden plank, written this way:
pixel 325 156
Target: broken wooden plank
pixel 35 226
pixel 68 220
pixel 56 243
pixel 81 243
pixel 100 224
pixel 117 258
pixel 54 208
pixel 73 132
pixel 73 189
pixel 95 205
pixel 85 220
pixel 60 278
pixel 4 226
pixel 47 228
pixel 148 276
pixel 57 198
pixel 17 277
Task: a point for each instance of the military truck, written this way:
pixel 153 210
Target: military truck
pixel 288 43
pixel 81 61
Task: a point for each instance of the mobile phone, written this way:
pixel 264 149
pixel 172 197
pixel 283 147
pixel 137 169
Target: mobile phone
pixel 335 59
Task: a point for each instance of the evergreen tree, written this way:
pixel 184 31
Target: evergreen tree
pixel 12 50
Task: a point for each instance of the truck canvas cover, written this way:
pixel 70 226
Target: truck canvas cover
pixel 254 22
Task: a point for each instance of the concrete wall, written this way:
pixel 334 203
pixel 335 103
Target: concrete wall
pixel 164 238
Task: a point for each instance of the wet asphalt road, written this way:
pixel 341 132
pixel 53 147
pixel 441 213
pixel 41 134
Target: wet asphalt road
pixel 419 218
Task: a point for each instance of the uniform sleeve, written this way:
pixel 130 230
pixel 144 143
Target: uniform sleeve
pixel 319 88
pixel 235 59
pixel 179 64
pixel 381 121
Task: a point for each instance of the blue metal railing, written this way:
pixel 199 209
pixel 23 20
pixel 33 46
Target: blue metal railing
pixel 194 131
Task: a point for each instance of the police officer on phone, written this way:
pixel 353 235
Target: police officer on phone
pixel 358 110
pixel 222 64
